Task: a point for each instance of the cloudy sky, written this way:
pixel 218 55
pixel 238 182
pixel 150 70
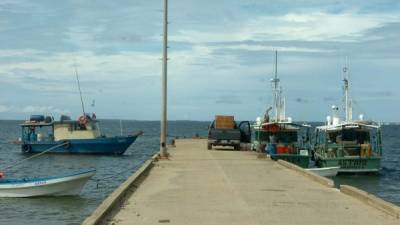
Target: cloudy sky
pixel 221 57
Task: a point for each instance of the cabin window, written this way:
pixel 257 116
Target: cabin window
pixel 355 135
pixel 286 137
pixel 333 137
pixel 38 133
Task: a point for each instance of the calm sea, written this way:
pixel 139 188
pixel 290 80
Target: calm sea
pixel 112 170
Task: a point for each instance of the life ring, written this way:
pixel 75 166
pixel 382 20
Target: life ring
pixel 26 148
pixel 83 120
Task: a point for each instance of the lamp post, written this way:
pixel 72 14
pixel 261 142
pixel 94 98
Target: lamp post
pixel 163 139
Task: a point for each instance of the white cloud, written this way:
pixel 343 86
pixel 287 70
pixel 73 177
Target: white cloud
pixel 43 109
pixel 59 68
pixel 5 108
pixel 256 47
pixel 313 26
pixel 49 110
pixel 21 53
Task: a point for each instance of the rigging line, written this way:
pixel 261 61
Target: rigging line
pixel 79 88
pixel 34 156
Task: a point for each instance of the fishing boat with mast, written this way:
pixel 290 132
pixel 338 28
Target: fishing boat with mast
pixel 353 145
pixel 81 136
pixel 279 136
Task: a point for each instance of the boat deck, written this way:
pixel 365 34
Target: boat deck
pixel 200 186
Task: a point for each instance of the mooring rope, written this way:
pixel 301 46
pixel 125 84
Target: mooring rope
pixel 34 156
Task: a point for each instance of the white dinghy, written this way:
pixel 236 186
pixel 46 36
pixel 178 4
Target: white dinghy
pixel 70 184
pixel 326 171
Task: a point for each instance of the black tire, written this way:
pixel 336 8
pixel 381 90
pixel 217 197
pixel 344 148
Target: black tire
pixel 209 146
pixel 26 148
pixel 67 145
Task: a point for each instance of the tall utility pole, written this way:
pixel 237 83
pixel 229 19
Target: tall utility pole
pixel 163 139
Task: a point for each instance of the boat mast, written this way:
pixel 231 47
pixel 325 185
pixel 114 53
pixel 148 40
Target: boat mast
pixel 79 88
pixel 163 132
pixel 276 91
pixel 347 100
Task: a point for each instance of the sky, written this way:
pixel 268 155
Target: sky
pixel 221 57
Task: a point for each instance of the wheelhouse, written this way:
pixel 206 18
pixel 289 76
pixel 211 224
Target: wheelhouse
pixel 348 140
pixel 45 129
pixel 290 137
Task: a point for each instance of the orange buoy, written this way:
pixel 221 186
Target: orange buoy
pixel 83 120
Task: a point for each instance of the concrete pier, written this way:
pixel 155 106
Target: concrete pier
pixel 200 186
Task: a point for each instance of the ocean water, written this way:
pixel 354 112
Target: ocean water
pixel 113 170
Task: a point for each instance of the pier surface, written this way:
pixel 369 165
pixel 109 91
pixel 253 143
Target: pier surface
pixel 199 186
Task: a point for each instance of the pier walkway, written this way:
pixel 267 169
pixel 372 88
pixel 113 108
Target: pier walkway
pixel 200 186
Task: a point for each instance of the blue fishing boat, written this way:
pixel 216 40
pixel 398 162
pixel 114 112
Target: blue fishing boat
pixel 82 136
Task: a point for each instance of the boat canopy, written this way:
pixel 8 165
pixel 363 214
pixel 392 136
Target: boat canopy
pixel 36 124
pixel 281 126
pixel 85 127
pixel 349 125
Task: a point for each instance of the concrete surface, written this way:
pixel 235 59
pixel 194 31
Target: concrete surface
pixel 199 186
pixel 317 178
pixel 371 200
pixel 117 197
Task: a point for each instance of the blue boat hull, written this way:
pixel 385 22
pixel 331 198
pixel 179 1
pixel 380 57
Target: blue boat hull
pixel 101 146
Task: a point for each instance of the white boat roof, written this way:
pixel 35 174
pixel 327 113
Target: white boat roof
pixel 42 123
pixel 352 124
pixel 289 125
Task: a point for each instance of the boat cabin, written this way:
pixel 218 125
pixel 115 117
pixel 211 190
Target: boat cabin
pixel 45 129
pixel 349 140
pixel 288 137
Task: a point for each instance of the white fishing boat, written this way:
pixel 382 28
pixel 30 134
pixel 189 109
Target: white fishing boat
pixel 278 135
pixel 70 184
pixel 353 145
pixel 326 171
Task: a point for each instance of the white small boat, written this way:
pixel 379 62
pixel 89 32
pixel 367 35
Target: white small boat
pixel 70 184
pixel 326 171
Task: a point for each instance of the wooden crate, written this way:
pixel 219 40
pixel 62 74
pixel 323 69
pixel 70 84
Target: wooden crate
pixel 224 122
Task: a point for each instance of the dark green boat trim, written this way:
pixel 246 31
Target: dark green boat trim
pixel 351 164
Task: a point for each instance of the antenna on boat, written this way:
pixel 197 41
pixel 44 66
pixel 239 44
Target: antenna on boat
pixel 276 91
pixel 347 101
pixel 79 87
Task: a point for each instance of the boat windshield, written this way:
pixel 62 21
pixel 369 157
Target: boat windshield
pixel 350 135
pixel 286 137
